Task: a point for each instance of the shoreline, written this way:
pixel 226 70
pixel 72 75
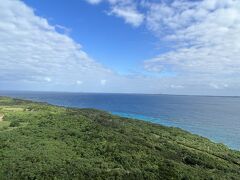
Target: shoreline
pixel 144 118
pixel 167 123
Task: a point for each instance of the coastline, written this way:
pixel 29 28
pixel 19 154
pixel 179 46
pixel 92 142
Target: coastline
pixel 90 143
pixel 168 123
pixel 214 133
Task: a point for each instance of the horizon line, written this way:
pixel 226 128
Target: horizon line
pixel 126 93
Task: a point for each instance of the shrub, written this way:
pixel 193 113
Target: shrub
pixel 14 124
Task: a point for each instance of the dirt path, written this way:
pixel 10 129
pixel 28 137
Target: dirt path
pixel 1 117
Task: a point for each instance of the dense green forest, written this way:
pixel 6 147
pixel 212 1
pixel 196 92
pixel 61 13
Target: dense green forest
pixel 41 141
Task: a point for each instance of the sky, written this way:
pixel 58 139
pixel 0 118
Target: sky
pixel 121 46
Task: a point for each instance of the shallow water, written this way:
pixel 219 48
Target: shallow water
pixel 217 118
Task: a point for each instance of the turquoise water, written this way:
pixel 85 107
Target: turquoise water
pixel 217 118
pixel 216 135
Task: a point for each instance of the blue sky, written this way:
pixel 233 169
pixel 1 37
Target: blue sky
pixel 121 46
pixel 105 38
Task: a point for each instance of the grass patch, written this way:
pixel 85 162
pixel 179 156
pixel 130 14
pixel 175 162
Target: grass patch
pixel 4 125
pixel 14 109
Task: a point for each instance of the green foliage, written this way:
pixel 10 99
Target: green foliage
pixel 4 125
pixel 14 124
pixel 49 142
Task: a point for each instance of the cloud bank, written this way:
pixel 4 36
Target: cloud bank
pixel 32 51
pixel 206 38
pixel 204 42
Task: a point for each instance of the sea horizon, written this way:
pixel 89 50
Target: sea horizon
pixel 127 93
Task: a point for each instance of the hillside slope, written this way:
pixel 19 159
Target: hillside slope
pixel 41 141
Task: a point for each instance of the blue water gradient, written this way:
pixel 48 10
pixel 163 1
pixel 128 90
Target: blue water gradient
pixel 215 136
pixel 217 118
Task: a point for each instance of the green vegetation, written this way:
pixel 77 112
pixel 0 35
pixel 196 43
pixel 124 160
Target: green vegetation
pixel 41 141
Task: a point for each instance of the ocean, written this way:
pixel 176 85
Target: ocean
pixel 217 118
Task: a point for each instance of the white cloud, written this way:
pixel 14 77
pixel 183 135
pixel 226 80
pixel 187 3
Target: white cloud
pixel 206 40
pixel 126 9
pixel 129 14
pixel 176 86
pixel 103 82
pixel 79 82
pixel 32 51
pixel 94 1
pixel 48 79
pixel 218 86
pixel 63 29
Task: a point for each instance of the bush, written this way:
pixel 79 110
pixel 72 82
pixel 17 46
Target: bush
pixel 14 124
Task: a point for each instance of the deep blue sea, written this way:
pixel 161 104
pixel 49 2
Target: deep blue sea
pixel 217 118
